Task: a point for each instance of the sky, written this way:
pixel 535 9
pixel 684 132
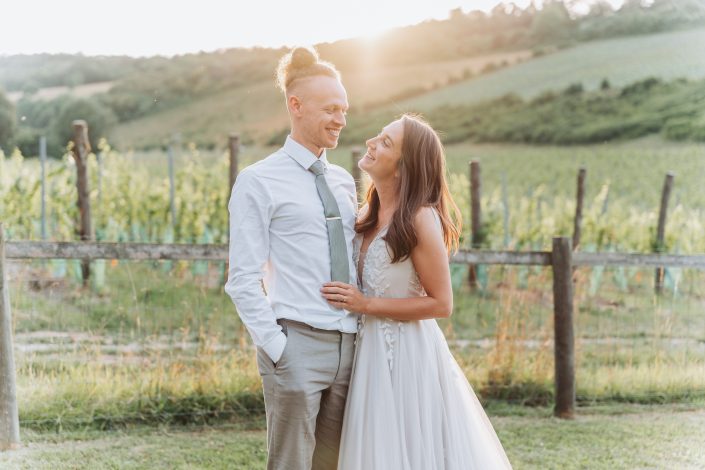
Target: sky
pixel 151 27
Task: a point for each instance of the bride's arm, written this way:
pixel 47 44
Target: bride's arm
pixel 430 260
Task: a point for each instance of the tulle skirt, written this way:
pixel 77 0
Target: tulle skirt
pixel 410 406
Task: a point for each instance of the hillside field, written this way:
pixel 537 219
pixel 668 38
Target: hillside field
pixel 257 111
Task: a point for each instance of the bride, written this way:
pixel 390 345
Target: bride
pixel 409 405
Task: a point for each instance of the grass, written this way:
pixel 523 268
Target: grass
pixel 79 91
pixel 158 346
pixel 143 447
pixel 138 300
pixel 615 437
pixel 620 60
pixel 105 396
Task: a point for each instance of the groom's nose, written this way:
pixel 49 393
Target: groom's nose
pixel 340 119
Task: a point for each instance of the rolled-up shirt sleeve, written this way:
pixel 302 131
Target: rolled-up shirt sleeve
pixel 251 207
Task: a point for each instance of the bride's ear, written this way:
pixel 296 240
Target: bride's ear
pixel 397 171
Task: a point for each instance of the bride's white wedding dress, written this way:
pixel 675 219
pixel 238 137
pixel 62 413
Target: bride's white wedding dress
pixel 409 405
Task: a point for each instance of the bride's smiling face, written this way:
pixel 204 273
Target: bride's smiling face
pixel 384 152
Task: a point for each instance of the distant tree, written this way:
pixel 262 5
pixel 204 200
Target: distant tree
pixel 30 88
pixel 27 140
pixel 456 14
pixel 499 41
pixel 552 22
pixel 640 87
pixel 75 78
pixel 634 5
pixel 7 122
pixel 604 84
pixel 39 114
pixel 601 9
pixel 100 120
pixel 574 89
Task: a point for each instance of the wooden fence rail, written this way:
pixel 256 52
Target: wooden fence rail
pixel 218 252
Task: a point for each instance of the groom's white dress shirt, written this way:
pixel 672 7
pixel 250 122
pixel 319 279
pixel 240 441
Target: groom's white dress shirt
pixel 279 253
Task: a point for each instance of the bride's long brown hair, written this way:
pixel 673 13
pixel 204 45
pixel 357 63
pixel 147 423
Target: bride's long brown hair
pixel 422 182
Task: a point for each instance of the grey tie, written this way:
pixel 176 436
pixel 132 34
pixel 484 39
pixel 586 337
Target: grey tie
pixel 339 268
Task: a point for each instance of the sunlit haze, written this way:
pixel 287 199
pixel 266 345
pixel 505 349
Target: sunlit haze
pixel 143 28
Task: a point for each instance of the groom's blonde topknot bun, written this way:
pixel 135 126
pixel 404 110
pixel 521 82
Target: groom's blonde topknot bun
pixel 302 62
pixel 302 57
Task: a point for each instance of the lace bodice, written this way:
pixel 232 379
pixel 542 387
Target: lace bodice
pixel 382 278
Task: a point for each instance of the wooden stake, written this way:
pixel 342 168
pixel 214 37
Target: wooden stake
pixel 564 340
pixel 355 172
pixel 9 417
pixel 661 230
pixel 577 226
pixel 81 148
pixel 234 148
pixel 475 218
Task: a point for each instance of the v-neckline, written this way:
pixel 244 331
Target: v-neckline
pixel 363 254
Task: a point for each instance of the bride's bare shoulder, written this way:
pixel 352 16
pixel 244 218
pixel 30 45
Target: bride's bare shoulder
pixel 426 218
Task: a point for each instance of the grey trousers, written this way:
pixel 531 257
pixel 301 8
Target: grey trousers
pixel 304 397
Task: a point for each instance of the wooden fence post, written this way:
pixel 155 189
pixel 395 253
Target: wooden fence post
pixel 577 226
pixel 234 149
pixel 172 186
pixel 9 418
pixel 661 230
pixel 505 210
pixel 99 196
pixel 475 218
pixel 564 340
pixel 355 171
pixel 43 160
pixel 81 147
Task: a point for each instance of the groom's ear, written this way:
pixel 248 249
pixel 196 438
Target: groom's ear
pixel 294 104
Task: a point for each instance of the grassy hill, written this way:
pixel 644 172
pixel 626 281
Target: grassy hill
pixel 258 112
pixel 78 91
pixel 620 60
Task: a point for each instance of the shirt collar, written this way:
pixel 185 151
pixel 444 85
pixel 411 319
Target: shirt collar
pixel 302 155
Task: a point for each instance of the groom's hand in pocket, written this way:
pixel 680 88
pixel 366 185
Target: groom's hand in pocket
pixel 345 296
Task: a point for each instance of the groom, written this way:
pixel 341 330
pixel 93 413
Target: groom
pixel 292 218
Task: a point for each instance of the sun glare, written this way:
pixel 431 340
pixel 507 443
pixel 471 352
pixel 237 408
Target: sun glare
pixel 372 33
